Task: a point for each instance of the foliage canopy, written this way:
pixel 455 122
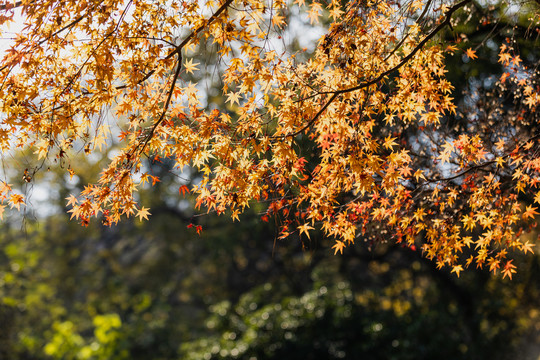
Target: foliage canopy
pixel 360 135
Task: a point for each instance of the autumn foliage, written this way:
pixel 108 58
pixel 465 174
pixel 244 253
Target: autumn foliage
pixel 358 136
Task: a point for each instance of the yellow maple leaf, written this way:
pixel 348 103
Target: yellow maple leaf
pixel 233 97
pixel 190 66
pixel 314 12
pixel 389 142
pixel 448 147
pixel 305 229
pixel 419 174
pixel 457 269
pixel 527 247
pixel 468 222
pixel 537 197
pixel 72 200
pixel 143 213
pixel 500 144
pixel 468 241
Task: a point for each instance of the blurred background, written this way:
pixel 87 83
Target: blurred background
pixel 158 290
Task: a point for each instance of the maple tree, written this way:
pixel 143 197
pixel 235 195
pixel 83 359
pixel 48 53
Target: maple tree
pixel 360 137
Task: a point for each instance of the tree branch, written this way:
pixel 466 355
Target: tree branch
pixel 10 6
pixel 365 84
pixel 479 166
pixel 166 106
pixel 178 48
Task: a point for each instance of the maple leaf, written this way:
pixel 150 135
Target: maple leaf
pixel 389 142
pixel 336 13
pixel 504 58
pixel 314 12
pixel 509 269
pixel 155 179
pixel 190 66
pixel 468 222
pixel 471 54
pixel 16 200
pixel 4 187
pixel 451 49
pixel 468 241
pixel 144 178
pixel 143 213
pixel 75 212
pixel 537 197
pixel 445 155
pixel 419 174
pixel 527 247
pixel 338 247
pixel 123 135
pixel 72 200
pixel 500 144
pixel 457 269
pixel 183 190
pixel 305 229
pixel 494 264
pixel 191 90
pixel 530 212
pixel 516 60
pixel 532 100
pixel 233 97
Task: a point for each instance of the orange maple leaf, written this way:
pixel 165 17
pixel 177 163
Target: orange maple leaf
pixel 509 269
pixel 183 190
pixel 471 54
pixel 504 58
pixel 530 212
pixel 338 247
pixel 16 200
pixel 516 60
pixel 305 229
